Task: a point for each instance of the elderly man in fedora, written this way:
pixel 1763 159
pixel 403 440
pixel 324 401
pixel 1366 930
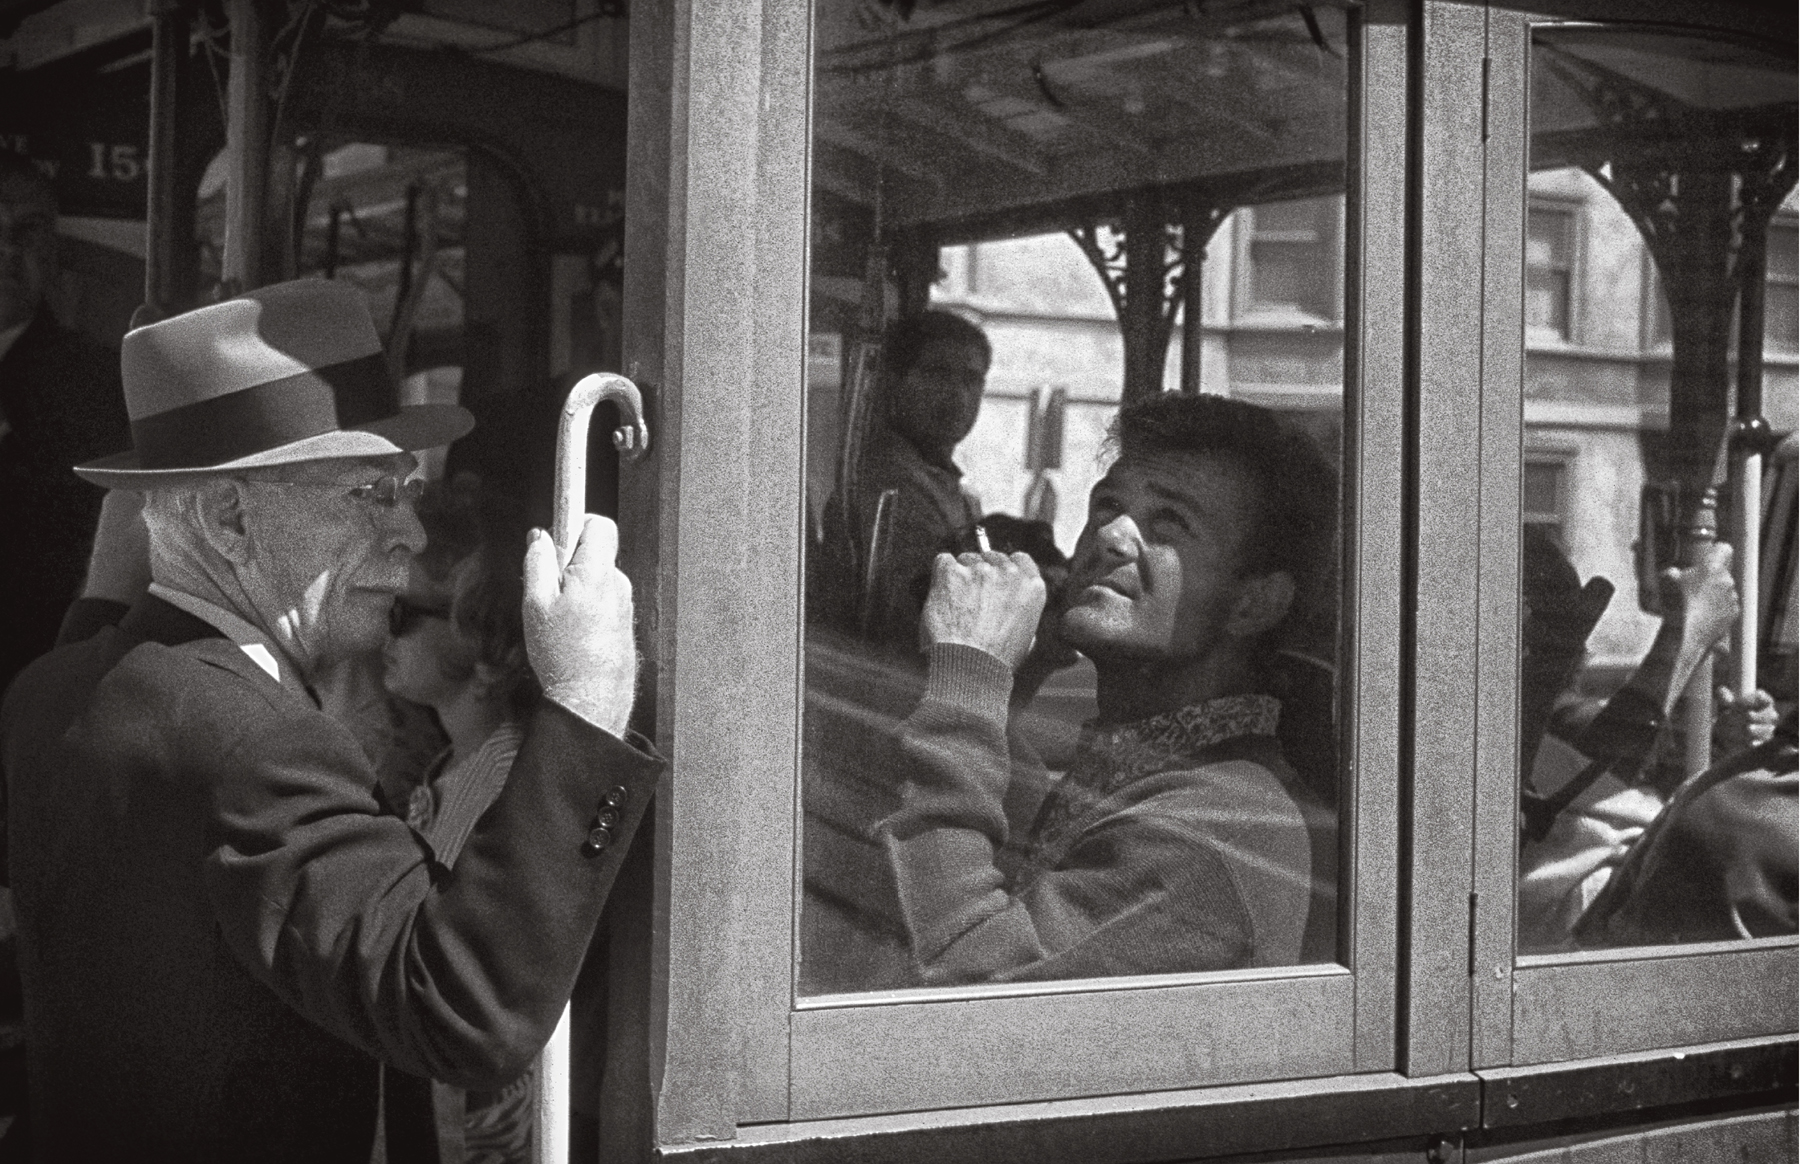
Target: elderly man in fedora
pixel 229 951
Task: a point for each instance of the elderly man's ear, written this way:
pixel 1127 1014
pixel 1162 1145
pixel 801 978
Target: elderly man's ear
pixel 224 518
pixel 1262 602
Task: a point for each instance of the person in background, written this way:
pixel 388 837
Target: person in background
pixel 1180 839
pixel 1592 788
pixel 1720 862
pixel 934 367
pixel 60 404
pixel 457 646
pixel 229 951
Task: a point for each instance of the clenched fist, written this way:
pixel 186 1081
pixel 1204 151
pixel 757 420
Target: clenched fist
pixel 578 625
pixel 988 600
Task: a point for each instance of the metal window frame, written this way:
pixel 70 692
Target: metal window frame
pixel 710 1046
pixel 719 331
pixel 1547 1008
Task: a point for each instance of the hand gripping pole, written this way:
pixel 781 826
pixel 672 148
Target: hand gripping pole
pixel 631 438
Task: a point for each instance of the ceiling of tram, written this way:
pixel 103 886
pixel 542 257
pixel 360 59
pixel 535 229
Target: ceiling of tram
pixel 964 110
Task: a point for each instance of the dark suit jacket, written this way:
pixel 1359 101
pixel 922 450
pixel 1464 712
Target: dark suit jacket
pixel 222 934
pixel 60 392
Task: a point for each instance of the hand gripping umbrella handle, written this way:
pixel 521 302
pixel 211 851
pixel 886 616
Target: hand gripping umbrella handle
pixel 631 438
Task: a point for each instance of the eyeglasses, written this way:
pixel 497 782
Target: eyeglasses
pixel 389 492
pixel 406 614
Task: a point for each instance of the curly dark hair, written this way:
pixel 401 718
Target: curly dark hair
pixel 908 338
pixel 1296 526
pixel 475 542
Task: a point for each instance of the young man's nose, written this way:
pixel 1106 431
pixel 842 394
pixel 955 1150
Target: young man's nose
pixel 1120 537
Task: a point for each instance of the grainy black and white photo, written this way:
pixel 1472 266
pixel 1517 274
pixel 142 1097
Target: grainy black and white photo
pixel 797 581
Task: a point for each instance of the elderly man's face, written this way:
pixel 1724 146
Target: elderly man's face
pixel 27 248
pixel 1156 574
pixel 325 562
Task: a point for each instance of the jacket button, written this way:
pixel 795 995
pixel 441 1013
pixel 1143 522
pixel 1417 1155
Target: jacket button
pixel 606 818
pixel 614 798
pixel 597 839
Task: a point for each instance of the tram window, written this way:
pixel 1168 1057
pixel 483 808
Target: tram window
pixel 1782 302
pixel 1291 264
pixel 1544 495
pixel 1549 271
pixel 1647 817
pixel 1114 753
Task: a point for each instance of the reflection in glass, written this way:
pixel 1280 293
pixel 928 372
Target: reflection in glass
pixel 1101 740
pixel 1658 774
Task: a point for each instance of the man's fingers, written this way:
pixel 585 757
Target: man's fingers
pixel 543 576
pixel 598 548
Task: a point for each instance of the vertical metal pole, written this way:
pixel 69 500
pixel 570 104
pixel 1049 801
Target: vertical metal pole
pixel 1747 445
pixel 168 63
pixel 1702 529
pixel 1194 236
pixel 1193 255
pixel 246 147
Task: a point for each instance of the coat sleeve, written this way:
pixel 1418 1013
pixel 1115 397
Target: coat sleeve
pixel 1145 890
pixel 459 975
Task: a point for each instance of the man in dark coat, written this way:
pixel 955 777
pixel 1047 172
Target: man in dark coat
pixel 60 405
pixel 225 942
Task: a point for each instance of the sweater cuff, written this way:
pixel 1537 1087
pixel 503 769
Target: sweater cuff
pixel 969 678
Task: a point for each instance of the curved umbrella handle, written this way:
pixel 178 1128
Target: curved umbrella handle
pixel 631 438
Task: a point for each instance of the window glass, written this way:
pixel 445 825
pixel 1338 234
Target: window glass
pixel 1549 277
pixel 1782 305
pixel 1541 496
pixel 1657 781
pixel 1291 261
pixel 1099 738
pixel 1781 322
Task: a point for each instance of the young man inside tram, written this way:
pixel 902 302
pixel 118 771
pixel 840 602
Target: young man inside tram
pixel 1180 839
pixel 936 366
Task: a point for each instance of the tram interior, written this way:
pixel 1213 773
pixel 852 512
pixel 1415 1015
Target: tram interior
pixel 1130 199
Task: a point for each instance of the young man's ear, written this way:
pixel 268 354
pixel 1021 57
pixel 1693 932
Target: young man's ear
pixel 1262 602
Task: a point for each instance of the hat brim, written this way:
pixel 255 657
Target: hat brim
pixel 414 427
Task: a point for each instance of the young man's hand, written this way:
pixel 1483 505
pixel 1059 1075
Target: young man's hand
pixel 989 600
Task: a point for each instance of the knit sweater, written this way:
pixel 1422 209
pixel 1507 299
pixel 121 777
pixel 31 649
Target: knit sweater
pixel 1179 843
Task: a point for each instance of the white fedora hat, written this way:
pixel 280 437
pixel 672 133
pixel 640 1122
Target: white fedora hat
pixel 288 373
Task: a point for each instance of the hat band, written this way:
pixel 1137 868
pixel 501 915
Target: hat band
pixel 266 416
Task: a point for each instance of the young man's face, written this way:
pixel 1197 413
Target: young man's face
pixel 935 402
pixel 1157 572
pixel 27 248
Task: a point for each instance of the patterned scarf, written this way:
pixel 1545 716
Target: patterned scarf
pixel 1108 759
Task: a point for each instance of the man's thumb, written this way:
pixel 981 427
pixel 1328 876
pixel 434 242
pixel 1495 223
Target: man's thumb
pixel 543 576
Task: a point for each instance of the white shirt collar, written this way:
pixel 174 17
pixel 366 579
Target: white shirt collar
pixel 251 641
